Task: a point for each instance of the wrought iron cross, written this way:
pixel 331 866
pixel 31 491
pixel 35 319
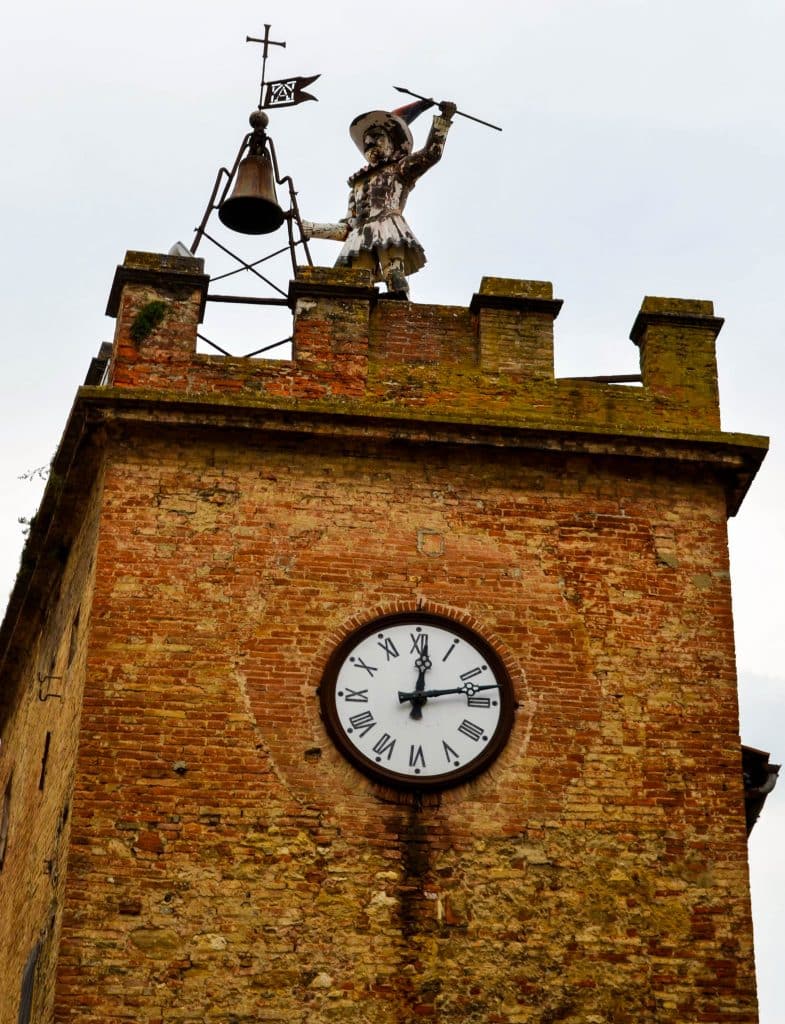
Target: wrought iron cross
pixel 266 42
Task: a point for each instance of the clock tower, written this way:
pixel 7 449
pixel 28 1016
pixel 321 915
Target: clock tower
pixel 393 681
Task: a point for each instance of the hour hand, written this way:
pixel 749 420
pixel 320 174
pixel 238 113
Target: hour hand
pixel 422 664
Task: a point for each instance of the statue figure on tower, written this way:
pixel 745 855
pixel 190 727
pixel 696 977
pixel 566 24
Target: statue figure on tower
pixel 374 231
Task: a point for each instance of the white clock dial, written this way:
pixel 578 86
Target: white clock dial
pixel 417 700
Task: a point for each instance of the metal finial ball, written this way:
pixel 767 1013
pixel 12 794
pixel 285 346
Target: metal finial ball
pixel 259 120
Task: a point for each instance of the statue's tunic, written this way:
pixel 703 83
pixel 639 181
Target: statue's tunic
pixel 377 200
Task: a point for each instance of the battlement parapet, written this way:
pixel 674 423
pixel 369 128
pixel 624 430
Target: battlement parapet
pixel 492 358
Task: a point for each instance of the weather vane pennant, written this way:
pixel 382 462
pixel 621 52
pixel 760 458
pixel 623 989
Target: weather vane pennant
pixel 285 92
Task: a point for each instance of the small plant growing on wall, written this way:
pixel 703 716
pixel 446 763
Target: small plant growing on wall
pixel 147 319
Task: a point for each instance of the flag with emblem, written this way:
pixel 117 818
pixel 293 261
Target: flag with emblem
pixel 287 92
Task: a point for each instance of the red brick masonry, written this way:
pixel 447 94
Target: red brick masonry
pixel 220 524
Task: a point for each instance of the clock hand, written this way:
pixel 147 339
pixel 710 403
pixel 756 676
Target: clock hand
pixel 468 690
pixel 422 664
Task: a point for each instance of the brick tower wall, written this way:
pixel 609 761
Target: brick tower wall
pixel 42 689
pixel 226 863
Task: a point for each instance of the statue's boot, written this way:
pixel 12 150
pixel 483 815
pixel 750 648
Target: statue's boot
pixel 397 285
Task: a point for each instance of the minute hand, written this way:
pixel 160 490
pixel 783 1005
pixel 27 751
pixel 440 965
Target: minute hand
pixel 468 691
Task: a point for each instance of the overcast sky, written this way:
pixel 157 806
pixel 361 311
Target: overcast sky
pixel 643 152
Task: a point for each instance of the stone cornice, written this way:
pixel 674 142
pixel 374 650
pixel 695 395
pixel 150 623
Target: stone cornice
pixel 691 320
pixel 523 303
pixel 736 456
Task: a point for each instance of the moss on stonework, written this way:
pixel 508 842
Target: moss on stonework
pixel 147 319
pixel 645 421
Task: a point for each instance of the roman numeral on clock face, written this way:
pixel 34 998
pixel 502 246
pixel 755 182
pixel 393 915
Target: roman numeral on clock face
pixel 470 729
pixel 362 722
pixel 384 745
pixel 470 674
pixel 416 757
pixel 478 702
pixel 449 753
pixel 388 647
pixel 359 663
pixel 419 642
pixel 358 696
pixel 450 649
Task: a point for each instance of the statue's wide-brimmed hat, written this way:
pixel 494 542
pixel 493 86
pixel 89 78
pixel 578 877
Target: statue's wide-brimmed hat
pixel 394 122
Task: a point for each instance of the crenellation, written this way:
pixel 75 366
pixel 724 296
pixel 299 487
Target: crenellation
pixel 493 357
pixel 174 289
pixel 331 328
pixel 676 338
pixel 515 326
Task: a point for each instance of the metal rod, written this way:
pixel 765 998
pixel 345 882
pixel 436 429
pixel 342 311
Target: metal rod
pixel 247 266
pixel 267 348
pixel 248 300
pixel 239 270
pixel 207 212
pixel 294 211
pixel 267 42
pixel 619 378
pixel 212 204
pixel 229 355
pixel 217 348
pixel 303 241
pixel 469 117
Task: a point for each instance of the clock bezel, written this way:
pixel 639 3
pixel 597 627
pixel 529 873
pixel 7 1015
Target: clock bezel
pixel 446 780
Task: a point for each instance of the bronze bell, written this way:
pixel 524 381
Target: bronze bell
pixel 252 208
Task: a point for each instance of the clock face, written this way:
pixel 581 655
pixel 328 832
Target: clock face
pixel 417 701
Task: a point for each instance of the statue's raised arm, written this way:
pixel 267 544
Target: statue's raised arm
pixel 374 232
pixel 419 162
